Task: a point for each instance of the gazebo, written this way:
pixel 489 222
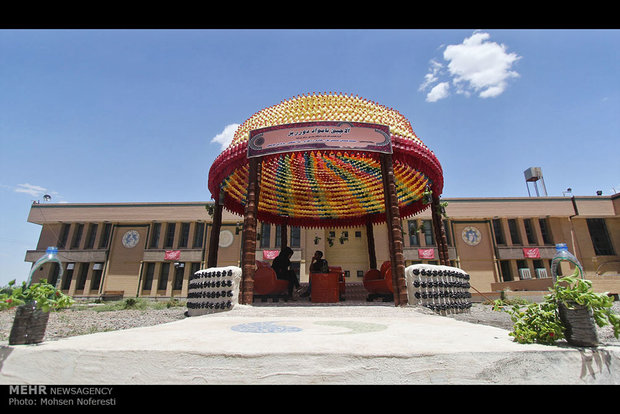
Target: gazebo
pixel 323 161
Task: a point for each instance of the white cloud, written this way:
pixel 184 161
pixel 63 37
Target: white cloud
pixel 33 190
pixel 225 137
pixel 438 92
pixel 475 66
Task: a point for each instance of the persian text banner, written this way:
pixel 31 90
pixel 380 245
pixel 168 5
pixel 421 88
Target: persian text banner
pixel 320 135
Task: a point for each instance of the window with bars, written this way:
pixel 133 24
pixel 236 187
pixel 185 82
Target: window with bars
pixel 600 237
pixel 515 236
pixel 169 240
pixel 155 234
pixel 529 231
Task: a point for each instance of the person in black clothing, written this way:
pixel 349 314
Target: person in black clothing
pixel 282 266
pixel 317 265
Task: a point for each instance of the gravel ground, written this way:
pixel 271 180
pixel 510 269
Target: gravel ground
pixel 81 321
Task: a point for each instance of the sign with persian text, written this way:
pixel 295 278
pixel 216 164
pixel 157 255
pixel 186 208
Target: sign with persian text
pixel 531 253
pixel 320 135
pixel 426 254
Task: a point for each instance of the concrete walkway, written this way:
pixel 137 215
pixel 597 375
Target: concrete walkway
pixel 365 344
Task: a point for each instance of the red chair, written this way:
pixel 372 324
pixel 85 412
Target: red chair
pixel 378 283
pixel 267 285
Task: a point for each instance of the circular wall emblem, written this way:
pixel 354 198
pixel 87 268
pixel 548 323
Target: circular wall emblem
pixel 130 239
pixel 226 238
pixel 471 235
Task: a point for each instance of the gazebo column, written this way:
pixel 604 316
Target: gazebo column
pixel 248 264
pixel 370 236
pixel 440 233
pixel 395 232
pixel 214 239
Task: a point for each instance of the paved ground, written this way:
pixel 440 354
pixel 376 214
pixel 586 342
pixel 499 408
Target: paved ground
pixel 307 345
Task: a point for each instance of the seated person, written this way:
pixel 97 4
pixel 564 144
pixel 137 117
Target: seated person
pixel 317 265
pixel 282 266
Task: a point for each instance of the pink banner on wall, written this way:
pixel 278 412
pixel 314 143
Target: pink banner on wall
pixel 270 254
pixel 426 253
pixel 531 253
pixel 172 255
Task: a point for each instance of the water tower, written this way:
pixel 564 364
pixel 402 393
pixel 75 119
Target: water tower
pixel 533 174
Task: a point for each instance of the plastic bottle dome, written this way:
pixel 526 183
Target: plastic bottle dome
pixel 335 187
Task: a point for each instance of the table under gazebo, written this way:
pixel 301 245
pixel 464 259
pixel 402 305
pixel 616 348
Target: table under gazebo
pixel 326 161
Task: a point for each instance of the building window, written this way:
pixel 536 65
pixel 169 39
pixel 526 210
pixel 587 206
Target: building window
pixel 82 278
pixel 163 276
pixel 96 279
pixel 64 235
pixel 184 239
pixel 295 236
pixel 412 229
pixel 360 273
pixel 545 230
pixel 179 271
pixel 90 237
pixel 169 241
pixel 427 228
pixel 358 234
pixel 529 231
pixel 54 276
pixel 600 237
pixel 105 237
pixel 278 236
pixel 265 234
pixel 66 281
pixel 498 230
pixel 155 233
pixel 77 236
pixel 199 233
pixel 195 267
pixel 148 277
pixel 506 270
pixel 514 231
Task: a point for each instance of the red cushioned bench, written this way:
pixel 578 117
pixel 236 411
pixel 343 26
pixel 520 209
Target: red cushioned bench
pixel 267 285
pixel 378 283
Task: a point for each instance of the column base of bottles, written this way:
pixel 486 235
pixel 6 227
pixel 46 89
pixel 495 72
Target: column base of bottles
pixel 439 288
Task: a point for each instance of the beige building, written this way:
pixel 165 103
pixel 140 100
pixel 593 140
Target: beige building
pixel 150 249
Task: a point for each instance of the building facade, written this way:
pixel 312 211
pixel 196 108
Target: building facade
pixel 151 249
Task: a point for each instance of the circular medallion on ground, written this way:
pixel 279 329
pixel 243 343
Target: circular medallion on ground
pixel 264 327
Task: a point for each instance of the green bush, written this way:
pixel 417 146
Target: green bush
pixel 540 322
pixel 45 296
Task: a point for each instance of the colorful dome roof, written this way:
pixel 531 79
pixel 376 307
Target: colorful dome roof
pixel 336 187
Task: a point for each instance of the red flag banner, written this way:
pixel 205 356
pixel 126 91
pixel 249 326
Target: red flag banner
pixel 270 254
pixel 531 253
pixel 172 255
pixel 426 253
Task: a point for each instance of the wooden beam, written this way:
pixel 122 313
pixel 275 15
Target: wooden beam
pixel 395 233
pixel 370 236
pixel 214 238
pixel 248 264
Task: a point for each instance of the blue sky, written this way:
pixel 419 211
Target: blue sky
pixel 91 116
